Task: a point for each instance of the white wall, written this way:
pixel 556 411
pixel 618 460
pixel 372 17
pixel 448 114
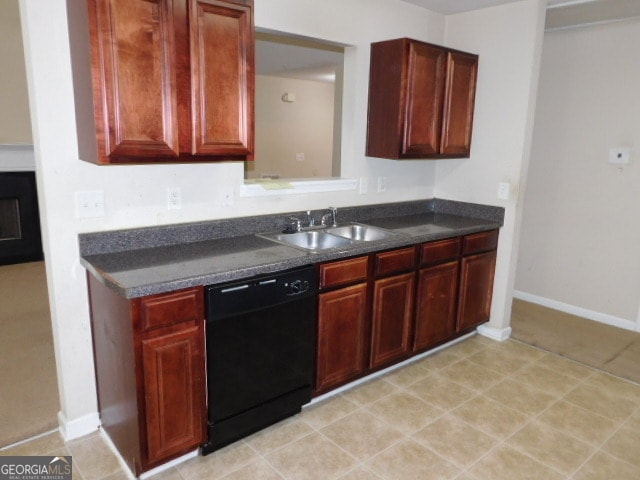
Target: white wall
pixel 135 195
pixel 508 39
pixel 581 231
pixel 15 125
pixel 284 129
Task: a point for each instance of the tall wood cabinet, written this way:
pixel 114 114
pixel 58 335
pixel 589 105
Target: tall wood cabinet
pixel 150 372
pixel 421 100
pixel 173 80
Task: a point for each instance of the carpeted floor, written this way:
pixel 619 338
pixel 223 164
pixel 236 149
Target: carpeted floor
pixel 29 401
pixel 613 350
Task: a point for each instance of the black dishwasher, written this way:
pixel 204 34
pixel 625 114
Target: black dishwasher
pixel 260 337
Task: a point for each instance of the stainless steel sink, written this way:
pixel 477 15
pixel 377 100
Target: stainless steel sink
pixel 313 240
pixel 360 232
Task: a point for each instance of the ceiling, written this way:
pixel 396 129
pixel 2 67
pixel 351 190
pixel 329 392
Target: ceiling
pixel 448 7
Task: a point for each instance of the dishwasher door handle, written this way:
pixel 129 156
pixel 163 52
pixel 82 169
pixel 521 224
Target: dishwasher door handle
pixel 235 289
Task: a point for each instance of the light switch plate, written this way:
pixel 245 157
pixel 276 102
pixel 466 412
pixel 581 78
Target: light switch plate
pixel 503 190
pixel 90 204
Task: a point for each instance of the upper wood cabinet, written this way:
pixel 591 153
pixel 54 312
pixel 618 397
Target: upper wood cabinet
pixel 421 100
pixel 173 80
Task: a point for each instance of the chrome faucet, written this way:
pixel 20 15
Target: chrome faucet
pixel 332 215
pixel 311 222
pixel 294 224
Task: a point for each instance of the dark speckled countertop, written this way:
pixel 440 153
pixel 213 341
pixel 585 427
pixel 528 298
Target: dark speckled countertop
pixel 145 261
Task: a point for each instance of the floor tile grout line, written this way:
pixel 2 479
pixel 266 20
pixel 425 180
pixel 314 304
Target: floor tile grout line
pixel 537 416
pixel 30 439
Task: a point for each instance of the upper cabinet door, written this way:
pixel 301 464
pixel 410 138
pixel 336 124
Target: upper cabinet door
pixel 173 80
pixel 462 73
pixel 133 53
pixel 424 98
pixel 222 77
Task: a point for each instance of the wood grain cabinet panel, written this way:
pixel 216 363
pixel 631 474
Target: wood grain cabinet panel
pixel 222 77
pixel 341 335
pixel 421 99
pixel 436 301
pixel 173 80
pixel 391 319
pixel 476 288
pixel 343 272
pixel 457 117
pixel 395 261
pixel 173 376
pixel 150 372
pixel 134 77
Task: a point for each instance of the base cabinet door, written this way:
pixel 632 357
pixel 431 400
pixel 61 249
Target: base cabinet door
pixel 341 334
pixel 391 321
pixel 150 372
pixel 173 384
pixel 476 287
pixel 437 297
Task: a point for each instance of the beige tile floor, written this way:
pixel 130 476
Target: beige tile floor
pixel 479 410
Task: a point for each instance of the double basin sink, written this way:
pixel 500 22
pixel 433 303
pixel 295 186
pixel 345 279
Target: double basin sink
pixel 326 238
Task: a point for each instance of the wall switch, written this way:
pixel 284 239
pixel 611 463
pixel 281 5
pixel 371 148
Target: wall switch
pixel 364 185
pixel 503 190
pixel 174 198
pixel 90 204
pixel 620 156
pixel 299 157
pixel 382 184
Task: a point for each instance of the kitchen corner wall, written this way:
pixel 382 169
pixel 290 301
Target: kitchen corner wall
pixel 508 39
pixel 136 195
pixel 581 231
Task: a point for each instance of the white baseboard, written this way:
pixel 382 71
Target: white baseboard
pixel 578 311
pixel 494 333
pixel 79 427
pixel 17 158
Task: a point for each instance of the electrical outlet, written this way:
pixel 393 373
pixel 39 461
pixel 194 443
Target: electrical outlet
pixel 382 184
pixel 227 197
pixel 90 204
pixel 364 185
pixel 299 157
pixel 174 198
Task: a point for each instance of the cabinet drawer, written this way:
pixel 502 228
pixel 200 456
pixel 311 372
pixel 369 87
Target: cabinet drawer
pixel 440 251
pixel 480 242
pixel 343 272
pixel 395 261
pixel 166 309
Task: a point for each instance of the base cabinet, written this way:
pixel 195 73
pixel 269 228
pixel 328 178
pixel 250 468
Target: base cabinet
pixel 341 332
pixel 171 370
pixel 150 372
pixel 380 309
pixel 476 286
pixel 437 298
